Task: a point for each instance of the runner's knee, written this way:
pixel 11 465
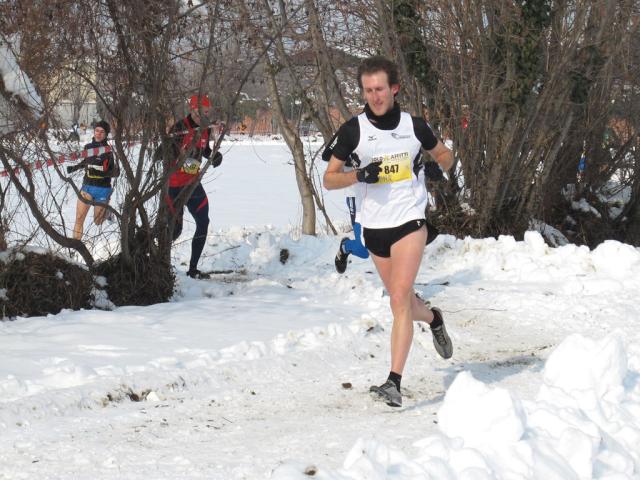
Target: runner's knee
pixel 177 229
pixel 202 223
pixel 400 296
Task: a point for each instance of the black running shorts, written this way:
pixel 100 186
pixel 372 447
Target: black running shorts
pixel 379 240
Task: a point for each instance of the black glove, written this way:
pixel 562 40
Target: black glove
pixel 433 171
pixel 369 174
pixel 73 168
pixel 217 159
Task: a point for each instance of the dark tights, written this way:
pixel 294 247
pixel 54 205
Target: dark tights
pixel 198 206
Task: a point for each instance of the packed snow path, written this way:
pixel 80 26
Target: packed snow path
pixel 265 372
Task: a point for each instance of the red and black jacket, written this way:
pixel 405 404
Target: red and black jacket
pixel 184 143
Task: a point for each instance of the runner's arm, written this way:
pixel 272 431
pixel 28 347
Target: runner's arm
pixel 438 150
pixel 443 155
pixel 335 177
pixel 111 166
pixel 77 166
pixel 348 137
pixel 207 151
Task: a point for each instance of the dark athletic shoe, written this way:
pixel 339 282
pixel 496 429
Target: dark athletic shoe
pixel 389 393
pixel 441 339
pixel 342 257
pixel 198 275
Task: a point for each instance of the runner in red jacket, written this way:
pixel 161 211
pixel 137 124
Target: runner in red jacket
pixel 193 142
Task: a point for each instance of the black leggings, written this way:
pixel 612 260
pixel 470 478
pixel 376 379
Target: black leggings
pixel 198 206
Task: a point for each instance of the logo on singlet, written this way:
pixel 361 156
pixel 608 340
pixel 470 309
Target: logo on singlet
pixel 399 137
pixel 372 138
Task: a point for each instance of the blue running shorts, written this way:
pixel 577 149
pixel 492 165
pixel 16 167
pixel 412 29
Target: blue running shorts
pixel 98 194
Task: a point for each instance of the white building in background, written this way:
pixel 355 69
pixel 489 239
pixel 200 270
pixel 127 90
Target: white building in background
pixel 63 112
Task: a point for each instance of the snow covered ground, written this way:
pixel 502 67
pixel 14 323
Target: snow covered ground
pixel 264 371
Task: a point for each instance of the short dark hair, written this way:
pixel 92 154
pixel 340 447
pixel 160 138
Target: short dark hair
pixel 104 125
pixel 378 63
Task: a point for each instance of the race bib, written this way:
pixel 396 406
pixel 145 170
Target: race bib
pixel 191 166
pixel 95 171
pixel 395 167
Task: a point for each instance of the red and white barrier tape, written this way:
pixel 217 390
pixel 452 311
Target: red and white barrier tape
pixel 90 152
pixel 74 156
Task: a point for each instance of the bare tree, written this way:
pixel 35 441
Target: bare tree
pixel 522 89
pixel 141 68
pixel 308 67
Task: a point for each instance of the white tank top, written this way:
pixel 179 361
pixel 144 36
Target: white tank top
pixel 400 195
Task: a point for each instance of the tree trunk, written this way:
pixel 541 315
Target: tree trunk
pixel 294 143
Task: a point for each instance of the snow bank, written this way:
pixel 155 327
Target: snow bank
pixel 244 376
pixel 585 423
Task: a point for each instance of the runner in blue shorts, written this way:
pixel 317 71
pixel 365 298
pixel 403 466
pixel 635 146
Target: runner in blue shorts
pixel 98 194
pixel 96 184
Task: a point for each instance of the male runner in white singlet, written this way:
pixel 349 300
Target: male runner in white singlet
pixel 392 196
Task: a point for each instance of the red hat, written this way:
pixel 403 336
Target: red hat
pixel 196 102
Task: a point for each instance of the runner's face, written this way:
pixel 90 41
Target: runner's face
pixel 99 134
pixel 377 92
pixel 196 116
